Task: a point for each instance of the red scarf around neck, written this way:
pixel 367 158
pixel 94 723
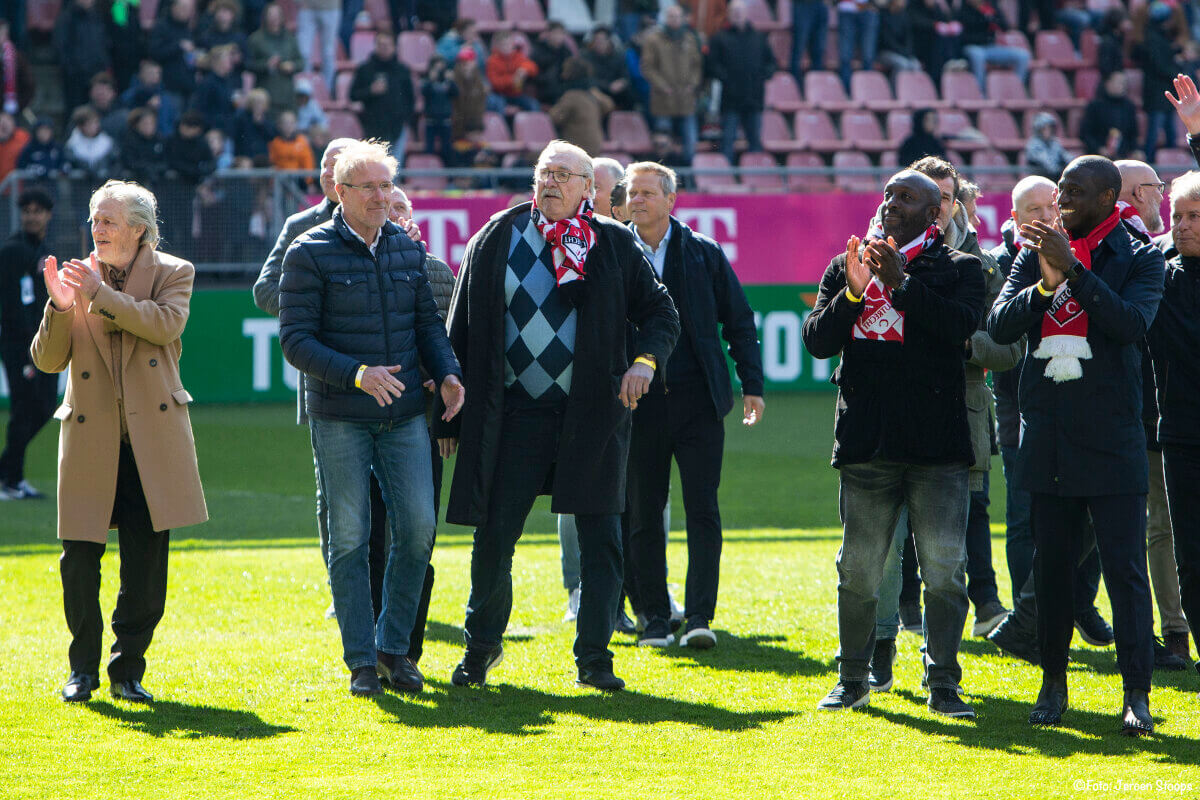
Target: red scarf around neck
pixel 570 240
pixel 1065 323
pixel 879 320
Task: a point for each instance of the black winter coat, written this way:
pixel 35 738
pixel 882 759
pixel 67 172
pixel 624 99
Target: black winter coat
pixel 589 477
pixel 1004 384
pixel 1174 341
pixel 383 116
pixel 23 294
pixel 1084 437
pixel 165 47
pixel 340 307
pixel 742 61
pixel 1104 114
pixel 82 42
pixel 903 401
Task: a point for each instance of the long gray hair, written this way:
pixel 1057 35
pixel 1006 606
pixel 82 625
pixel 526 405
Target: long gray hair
pixel 141 207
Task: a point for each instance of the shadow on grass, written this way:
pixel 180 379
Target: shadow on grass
pixel 521 711
pixel 179 720
pixel 1003 724
pixel 452 634
pixel 745 654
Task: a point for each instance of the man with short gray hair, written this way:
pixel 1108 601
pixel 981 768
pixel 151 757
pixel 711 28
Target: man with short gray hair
pixel 608 173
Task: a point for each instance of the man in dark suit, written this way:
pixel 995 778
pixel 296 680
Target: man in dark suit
pixel 1085 292
pixel 682 414
pixel 538 321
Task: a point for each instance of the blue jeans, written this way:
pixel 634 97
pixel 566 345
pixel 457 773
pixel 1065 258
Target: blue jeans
pixel 856 29
pixel 308 22
pixel 346 452
pixel 751 122
pixel 810 23
pixel 685 128
pixel 871 499
pixel 1018 542
pixel 887 613
pixel 980 56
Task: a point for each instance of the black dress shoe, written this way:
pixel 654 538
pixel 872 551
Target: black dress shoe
pixel 364 682
pixel 626 625
pixel 79 687
pixel 600 678
pixel 1136 719
pixel 130 690
pixel 400 673
pixel 1052 700
pixel 1014 643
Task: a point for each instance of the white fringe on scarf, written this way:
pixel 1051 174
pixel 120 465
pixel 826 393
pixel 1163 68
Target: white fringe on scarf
pixel 1065 353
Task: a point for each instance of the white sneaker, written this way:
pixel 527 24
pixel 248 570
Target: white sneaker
pixel 572 605
pixel 676 609
pixel 698 636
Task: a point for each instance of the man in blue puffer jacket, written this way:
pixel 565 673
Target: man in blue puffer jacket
pixel 358 318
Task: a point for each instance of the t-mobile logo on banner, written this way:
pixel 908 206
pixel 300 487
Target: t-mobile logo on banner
pixel 446 232
pixel 704 220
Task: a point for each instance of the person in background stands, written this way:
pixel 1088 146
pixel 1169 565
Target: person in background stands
pixel 671 62
pixel 741 60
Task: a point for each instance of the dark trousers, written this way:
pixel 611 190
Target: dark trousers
pixel 1181 466
pixel 1024 616
pixel 527 451
pixel 143 592
pixel 910 574
pixel 31 404
pixel 981 576
pixel 1120 525
pixel 683 424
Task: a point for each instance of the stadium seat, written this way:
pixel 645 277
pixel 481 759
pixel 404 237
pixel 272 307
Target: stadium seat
pixel 344 123
pixel 378 11
pixel 869 89
pixel 40 15
pixel 961 90
pixel 341 89
pixel 497 135
pixel 627 130
pixel 776 136
pixel 1017 39
pixel 854 159
pixel 889 159
pixel 899 126
pixel 485 14
pixel 814 130
pixel 320 89
pixel 428 183
pixel 713 182
pixel 780 43
pixel 525 15
pixel 1133 80
pixel 415 48
pixel 951 125
pixel 1173 162
pixel 573 14
pixel 1006 89
pixel 824 90
pixel 1001 130
pixel 624 159
pixel 994 182
pixel 1054 48
pixel 362 42
pixel 533 130
pixel 760 17
pixel 1087 82
pixel 807 183
pixel 1050 88
pixel 1089 48
pixel 861 129
pixel 761 182
pixel 916 90
pixel 1071 138
pixel 782 94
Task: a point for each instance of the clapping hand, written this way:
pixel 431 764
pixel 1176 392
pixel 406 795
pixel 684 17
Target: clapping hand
pixel 62 296
pixel 857 274
pixel 83 277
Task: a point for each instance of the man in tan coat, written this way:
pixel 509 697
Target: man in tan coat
pixel 671 64
pixel 126 455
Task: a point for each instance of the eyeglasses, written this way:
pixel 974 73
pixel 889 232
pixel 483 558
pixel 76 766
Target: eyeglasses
pixel 559 175
pixel 385 187
pixel 1162 187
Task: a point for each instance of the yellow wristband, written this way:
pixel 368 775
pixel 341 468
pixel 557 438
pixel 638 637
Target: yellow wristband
pixel 358 377
pixel 1043 290
pixel 646 361
pixel 850 296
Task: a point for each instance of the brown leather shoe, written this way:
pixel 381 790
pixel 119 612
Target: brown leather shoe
pixel 400 673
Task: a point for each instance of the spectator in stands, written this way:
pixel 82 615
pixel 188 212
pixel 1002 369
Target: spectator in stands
pixel 439 91
pixel 172 44
pixel 630 17
pixel 384 87
pixel 16 76
pixel 188 162
pixel 102 96
pixel 1109 126
pixel 147 89
pixel 465 33
pixel 509 71
pixel 741 60
pixel 83 47
pixel 219 147
pixel 290 149
pixel 671 63
pixel 308 110
pixel 923 139
pixel 274 58
pixel 470 103
pixel 1044 153
pixel 580 112
pixel 42 158
pixel 253 130
pixel 1113 50
pixel 1157 54
pixel 858 28
pixel 897 42
pixel 609 68
pixel 937 35
pixel 89 149
pixel 980 22
pixel 323 17
pixel 219 88
pixel 220 27
pixel 142 150
pixel 550 53
pixel 12 141
pixel 810 26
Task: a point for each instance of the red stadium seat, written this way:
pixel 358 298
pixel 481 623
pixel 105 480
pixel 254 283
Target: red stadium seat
pixel 1087 81
pixel 780 43
pixel 428 183
pixel 1001 130
pixel 378 11
pixel 761 18
pixel 890 159
pixel 1089 47
pixel 525 15
pixel 807 183
pixel 761 182
pixel 1050 88
pixel 776 136
pixel 319 87
pixel 1055 49
pixel 341 90
pixel 993 181
pixel 1005 88
pixel 344 124
pixel 961 90
pixel 899 126
pixel 782 94
pixel 951 125
pixel 362 42
pixel 916 90
pixel 814 130
pixel 869 89
pixel 415 48
pixel 533 129
pixel 1133 80
pixel 1173 162
pixel 854 159
pixel 627 130
pixel 861 129
pixel 824 90
pixel 713 182
pixel 497 135
pixel 485 14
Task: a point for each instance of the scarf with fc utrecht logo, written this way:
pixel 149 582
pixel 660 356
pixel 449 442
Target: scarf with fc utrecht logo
pixel 569 240
pixel 879 320
pixel 1065 323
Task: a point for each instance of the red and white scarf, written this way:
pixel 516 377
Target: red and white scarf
pixel 879 320
pixel 1065 323
pixel 1130 214
pixel 570 240
pixel 8 57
